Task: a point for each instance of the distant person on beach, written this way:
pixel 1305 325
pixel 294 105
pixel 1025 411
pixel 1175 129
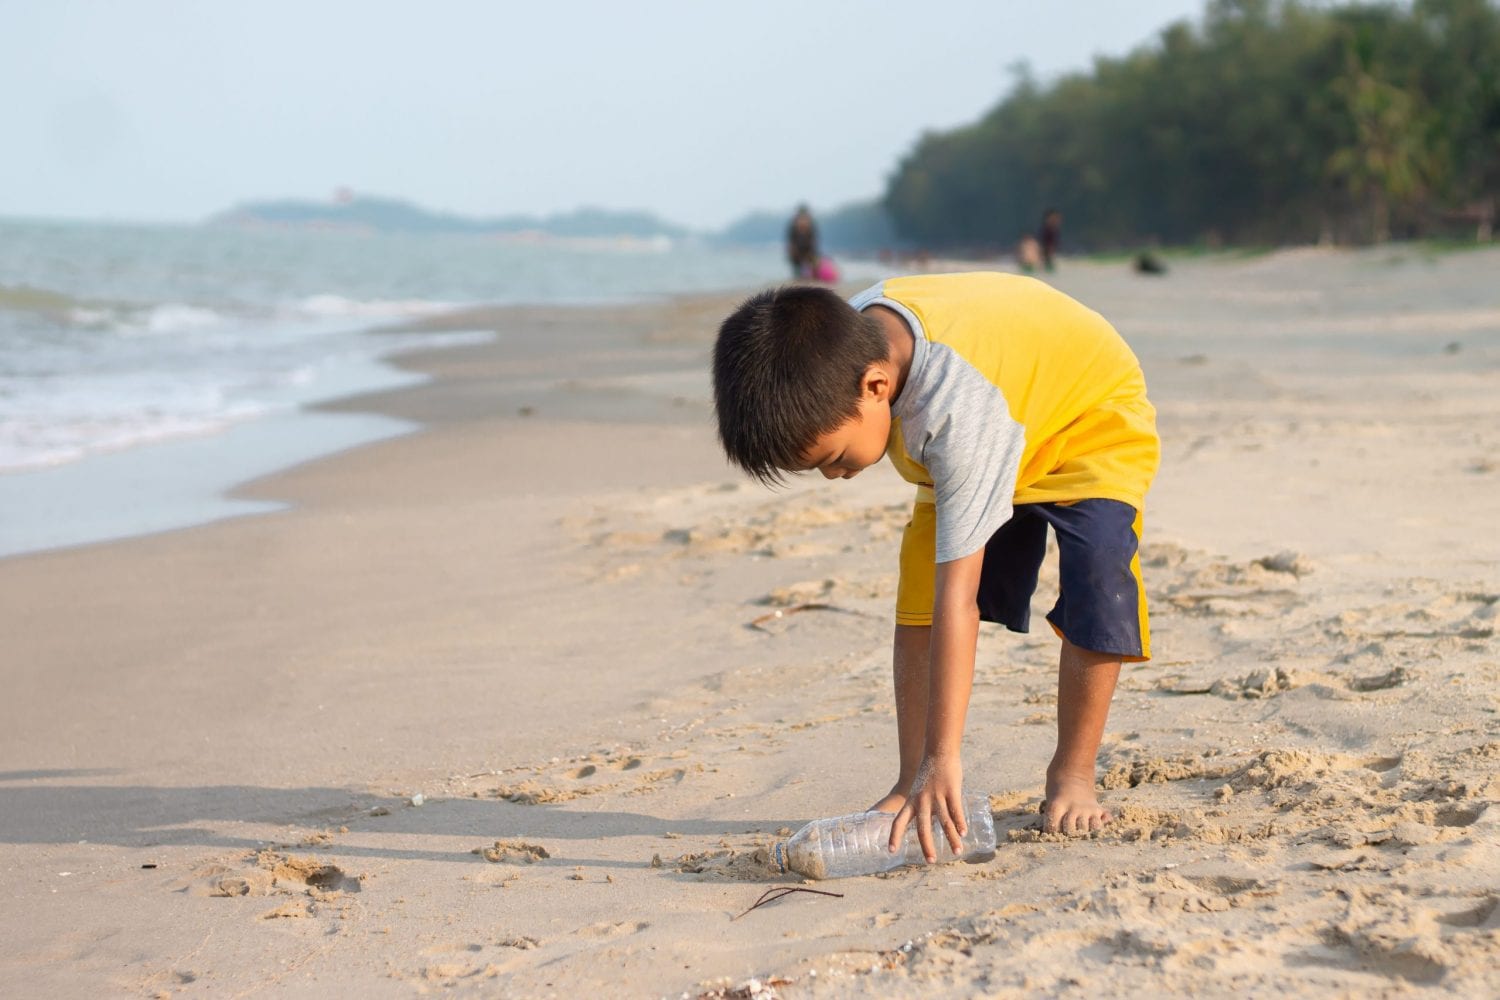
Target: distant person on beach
pixel 1011 407
pixel 802 243
pixel 1049 236
pixel 1028 253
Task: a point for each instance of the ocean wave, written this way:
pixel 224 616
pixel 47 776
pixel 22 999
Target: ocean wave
pixel 176 317
pixel 330 306
pixel 148 392
pixel 61 309
pixel 173 317
pixel 27 445
pixel 27 298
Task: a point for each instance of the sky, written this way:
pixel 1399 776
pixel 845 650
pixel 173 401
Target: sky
pixel 151 110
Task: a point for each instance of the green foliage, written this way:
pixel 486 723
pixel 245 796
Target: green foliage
pixel 1268 122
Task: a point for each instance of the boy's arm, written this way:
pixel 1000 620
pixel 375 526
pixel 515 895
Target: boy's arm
pixel 937 789
pixel 911 652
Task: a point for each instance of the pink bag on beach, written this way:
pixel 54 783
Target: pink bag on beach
pixel 826 270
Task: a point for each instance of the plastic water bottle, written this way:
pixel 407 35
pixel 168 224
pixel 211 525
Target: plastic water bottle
pixel 856 844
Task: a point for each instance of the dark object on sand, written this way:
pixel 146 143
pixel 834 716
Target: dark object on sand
pixel 1147 262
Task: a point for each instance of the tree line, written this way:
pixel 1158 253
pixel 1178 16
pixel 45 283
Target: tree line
pixel 1268 122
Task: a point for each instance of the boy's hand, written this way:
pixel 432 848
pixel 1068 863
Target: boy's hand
pixel 937 792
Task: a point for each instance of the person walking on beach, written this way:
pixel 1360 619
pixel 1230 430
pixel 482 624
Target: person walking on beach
pixel 1049 235
pixel 802 243
pixel 1011 407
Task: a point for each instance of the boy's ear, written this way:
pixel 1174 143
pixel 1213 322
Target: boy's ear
pixel 877 383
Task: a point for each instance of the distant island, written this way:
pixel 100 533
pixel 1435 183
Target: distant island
pixel 391 215
pixel 856 227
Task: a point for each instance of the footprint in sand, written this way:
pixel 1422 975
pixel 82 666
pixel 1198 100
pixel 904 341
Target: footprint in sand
pixel 1475 916
pixel 309 873
pixel 451 949
pixel 614 764
pixel 460 960
pixel 297 909
pixel 572 783
pixel 447 973
pixel 1394 677
pixel 606 929
pixel 275 873
pixel 1225 885
pixel 1466 815
pixel 521 942
pixel 1391 627
pixel 1129 768
pixel 1209 893
pixel 513 852
pixel 1398 938
pixel 1200 584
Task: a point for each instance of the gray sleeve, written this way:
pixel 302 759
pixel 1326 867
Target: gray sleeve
pixel 872 294
pixel 972 446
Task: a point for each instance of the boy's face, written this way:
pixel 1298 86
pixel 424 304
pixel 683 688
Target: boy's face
pixel 855 444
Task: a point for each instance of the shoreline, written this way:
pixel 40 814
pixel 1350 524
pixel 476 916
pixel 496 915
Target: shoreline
pixel 189 480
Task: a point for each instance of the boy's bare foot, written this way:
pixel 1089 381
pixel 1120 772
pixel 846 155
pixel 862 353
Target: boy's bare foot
pixel 1072 807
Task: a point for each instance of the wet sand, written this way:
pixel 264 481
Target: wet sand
pixel 504 707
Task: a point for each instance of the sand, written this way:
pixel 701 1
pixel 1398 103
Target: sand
pixel 506 707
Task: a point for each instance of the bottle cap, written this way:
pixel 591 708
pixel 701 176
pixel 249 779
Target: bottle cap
pixel 778 855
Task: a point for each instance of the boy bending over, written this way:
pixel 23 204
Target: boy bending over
pixel 1011 407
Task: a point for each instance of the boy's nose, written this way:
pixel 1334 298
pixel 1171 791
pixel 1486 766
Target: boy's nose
pixel 829 472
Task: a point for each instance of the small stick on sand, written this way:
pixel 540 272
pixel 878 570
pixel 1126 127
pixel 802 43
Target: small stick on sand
pixel 779 613
pixel 780 892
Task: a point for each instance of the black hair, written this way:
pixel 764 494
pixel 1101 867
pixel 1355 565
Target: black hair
pixel 788 366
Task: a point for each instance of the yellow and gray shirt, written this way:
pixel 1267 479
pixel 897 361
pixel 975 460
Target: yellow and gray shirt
pixel 1016 394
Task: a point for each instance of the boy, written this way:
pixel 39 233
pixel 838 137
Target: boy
pixel 1011 407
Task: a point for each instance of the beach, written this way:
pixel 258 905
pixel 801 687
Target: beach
pixel 514 704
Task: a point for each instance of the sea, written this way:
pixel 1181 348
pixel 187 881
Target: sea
pixel 147 369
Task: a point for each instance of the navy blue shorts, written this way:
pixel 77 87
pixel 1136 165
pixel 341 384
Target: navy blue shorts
pixel 1101 604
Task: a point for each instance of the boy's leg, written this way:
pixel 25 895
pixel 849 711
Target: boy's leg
pixel 910 657
pixel 1085 685
pixel 1101 618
